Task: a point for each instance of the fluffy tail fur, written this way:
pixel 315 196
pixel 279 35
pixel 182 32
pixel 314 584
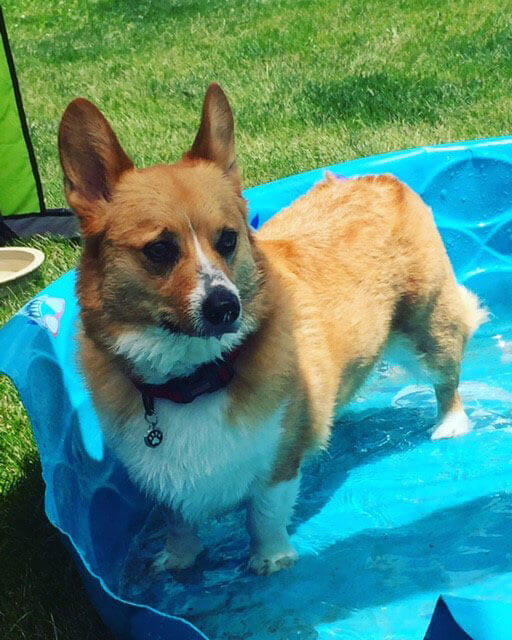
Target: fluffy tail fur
pixel 475 313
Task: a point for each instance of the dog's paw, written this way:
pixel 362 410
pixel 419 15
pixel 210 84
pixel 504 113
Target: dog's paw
pixel 455 423
pixel 264 563
pixel 177 559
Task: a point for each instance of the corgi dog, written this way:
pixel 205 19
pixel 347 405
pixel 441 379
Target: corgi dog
pixel 216 356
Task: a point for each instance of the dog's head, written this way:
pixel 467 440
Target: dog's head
pixel 170 275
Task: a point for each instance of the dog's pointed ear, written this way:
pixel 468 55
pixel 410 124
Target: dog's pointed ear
pixel 92 161
pixel 215 140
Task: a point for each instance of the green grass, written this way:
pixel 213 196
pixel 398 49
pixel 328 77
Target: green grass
pixel 311 83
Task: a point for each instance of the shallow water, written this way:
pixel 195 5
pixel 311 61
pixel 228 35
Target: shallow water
pixel 386 521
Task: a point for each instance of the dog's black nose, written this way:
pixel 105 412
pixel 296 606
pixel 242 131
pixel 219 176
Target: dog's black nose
pixel 221 307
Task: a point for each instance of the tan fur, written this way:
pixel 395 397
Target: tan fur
pixel 360 259
pixel 324 284
pixel 342 267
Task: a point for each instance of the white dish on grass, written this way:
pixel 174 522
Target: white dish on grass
pixel 16 262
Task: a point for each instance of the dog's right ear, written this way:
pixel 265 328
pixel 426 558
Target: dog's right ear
pixel 92 161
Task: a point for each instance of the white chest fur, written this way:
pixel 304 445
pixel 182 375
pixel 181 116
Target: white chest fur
pixel 203 465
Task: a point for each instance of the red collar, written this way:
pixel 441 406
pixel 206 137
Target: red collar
pixel 208 378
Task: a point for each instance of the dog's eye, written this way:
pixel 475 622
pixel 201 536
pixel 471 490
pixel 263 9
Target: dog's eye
pixel 162 252
pixel 226 242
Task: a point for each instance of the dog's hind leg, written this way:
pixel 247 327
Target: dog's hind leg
pixel 452 420
pixel 440 329
pixel 442 351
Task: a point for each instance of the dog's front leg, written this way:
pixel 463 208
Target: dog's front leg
pixel 270 510
pixel 182 545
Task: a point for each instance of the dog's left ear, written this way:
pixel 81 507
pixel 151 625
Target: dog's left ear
pixel 215 140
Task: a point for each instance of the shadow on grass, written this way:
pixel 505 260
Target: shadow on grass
pixel 41 592
pixel 155 12
pixel 376 98
pixel 115 29
pixel 487 42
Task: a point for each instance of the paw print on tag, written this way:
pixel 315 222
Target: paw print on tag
pixel 153 438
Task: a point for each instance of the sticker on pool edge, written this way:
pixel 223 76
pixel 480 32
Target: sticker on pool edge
pixel 45 312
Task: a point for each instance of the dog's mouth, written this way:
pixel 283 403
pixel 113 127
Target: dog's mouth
pixel 206 330
pixel 172 327
pixel 219 330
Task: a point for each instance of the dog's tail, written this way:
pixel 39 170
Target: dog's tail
pixel 475 314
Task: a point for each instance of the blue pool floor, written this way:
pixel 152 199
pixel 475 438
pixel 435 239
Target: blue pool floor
pixel 386 521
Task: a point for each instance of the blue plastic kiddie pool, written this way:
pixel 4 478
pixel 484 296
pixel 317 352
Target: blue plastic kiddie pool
pixel 387 519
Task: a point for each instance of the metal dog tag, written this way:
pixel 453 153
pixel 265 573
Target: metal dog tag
pixel 153 438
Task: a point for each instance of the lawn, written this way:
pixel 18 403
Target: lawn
pixel 311 83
